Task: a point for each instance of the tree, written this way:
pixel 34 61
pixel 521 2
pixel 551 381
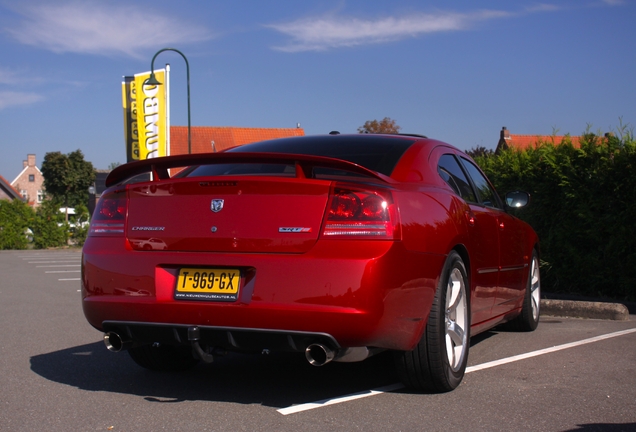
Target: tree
pixel 384 126
pixel 67 177
pixel 49 229
pixel 480 151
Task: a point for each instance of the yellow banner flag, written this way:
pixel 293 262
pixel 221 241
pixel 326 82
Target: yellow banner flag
pixel 152 115
pixel 131 134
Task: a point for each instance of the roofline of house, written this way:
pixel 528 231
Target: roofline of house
pixel 22 172
pixel 10 190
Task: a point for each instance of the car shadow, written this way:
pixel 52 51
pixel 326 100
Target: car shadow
pixel 474 340
pixel 275 380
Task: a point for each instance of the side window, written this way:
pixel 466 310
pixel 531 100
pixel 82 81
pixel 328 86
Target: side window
pixel 452 173
pixel 487 194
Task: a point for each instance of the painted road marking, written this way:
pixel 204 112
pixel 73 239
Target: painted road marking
pixel 326 402
pixel 62 271
pixel 51 262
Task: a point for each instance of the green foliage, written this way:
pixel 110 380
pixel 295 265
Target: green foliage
pixel 15 218
pixel 67 177
pixel 583 209
pixel 384 126
pixel 479 151
pixel 80 225
pixel 49 228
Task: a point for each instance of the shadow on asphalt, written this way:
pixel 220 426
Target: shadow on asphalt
pixel 605 427
pixel 275 380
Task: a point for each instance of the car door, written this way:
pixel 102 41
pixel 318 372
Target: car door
pixel 512 265
pixel 484 238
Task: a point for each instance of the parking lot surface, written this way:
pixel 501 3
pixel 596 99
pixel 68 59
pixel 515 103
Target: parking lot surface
pixel 56 374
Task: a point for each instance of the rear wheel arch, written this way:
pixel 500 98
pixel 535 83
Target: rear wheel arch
pixel 464 255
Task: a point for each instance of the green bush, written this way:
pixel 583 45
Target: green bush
pixel 15 218
pixel 583 209
pixel 79 231
pixel 49 228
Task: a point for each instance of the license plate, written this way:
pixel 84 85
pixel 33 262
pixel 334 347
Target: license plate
pixel 208 284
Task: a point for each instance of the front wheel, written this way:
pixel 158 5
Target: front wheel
pixel 438 362
pixel 528 319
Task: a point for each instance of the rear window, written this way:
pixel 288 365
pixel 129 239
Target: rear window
pixel 377 153
pixel 260 169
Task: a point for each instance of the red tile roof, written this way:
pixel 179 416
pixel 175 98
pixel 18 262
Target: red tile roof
pixel 521 142
pixel 8 190
pixel 222 137
pixel 525 141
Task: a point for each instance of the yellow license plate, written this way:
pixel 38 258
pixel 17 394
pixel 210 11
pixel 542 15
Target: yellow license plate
pixel 208 284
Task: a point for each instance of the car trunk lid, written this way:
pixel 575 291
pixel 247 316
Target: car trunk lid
pixel 233 214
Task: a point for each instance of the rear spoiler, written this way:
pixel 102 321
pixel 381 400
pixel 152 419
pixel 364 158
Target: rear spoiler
pixel 304 164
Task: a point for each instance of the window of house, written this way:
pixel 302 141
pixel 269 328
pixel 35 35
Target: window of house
pixel 31 177
pixel 40 196
pixel 25 194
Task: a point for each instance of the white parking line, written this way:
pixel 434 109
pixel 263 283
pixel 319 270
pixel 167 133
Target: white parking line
pixel 547 350
pixel 325 402
pixel 65 265
pixel 62 271
pixel 74 279
pixel 51 262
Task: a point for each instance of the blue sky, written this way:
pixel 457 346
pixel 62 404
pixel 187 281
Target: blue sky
pixel 453 70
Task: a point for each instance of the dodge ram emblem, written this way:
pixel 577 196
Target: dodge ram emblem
pixel 217 205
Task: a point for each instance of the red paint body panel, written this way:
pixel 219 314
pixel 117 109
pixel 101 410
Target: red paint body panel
pixel 363 291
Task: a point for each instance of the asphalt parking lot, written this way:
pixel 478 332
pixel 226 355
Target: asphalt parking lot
pixel 570 375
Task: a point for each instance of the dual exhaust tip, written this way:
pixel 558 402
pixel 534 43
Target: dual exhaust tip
pixel 115 342
pixel 316 354
pixel 319 354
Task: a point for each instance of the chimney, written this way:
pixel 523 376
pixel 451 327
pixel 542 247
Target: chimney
pixel 31 160
pixel 505 134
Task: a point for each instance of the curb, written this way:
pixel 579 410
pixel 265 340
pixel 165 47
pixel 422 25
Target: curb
pixel 584 309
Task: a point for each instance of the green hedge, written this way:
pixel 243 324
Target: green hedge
pixel 583 208
pixel 21 227
pixel 15 219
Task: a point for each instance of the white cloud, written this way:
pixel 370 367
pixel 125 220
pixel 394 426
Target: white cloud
pixel 318 34
pixel 8 76
pixel 100 28
pixel 11 98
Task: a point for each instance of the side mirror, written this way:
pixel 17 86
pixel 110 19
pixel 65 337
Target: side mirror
pixel 517 199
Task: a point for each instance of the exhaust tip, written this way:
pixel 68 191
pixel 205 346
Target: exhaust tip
pixel 114 342
pixel 319 355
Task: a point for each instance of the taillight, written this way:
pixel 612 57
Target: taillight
pixel 109 215
pixel 361 214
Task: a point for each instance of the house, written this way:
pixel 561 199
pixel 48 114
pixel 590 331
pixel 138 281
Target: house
pixel 30 182
pixel 7 192
pixel 207 139
pixel 521 142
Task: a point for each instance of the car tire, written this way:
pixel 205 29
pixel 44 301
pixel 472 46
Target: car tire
pixel 438 362
pixel 528 319
pixel 163 358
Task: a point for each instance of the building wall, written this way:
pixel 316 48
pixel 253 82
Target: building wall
pixel 30 182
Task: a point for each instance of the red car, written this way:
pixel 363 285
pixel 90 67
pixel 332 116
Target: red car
pixel 338 246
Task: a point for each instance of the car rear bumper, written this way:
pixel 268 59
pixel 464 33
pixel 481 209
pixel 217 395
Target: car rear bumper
pixel 355 293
